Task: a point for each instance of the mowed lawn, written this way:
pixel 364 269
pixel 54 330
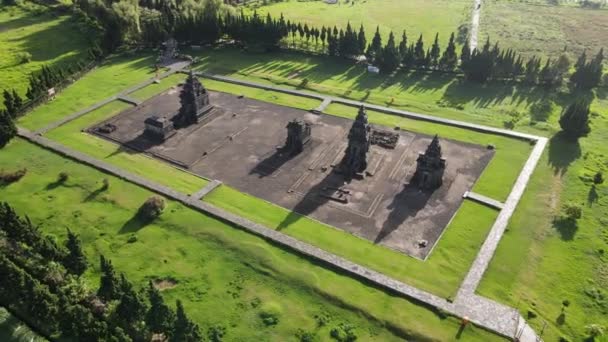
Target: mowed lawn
pixel 50 39
pixel 426 17
pixel 222 274
pixel 543 29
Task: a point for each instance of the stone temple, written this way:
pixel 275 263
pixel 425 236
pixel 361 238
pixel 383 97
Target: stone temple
pixel 298 134
pixel 158 128
pixel 430 167
pixel 194 100
pixel 355 159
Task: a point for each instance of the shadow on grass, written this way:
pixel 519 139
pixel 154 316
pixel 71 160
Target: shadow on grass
pixel 95 193
pixel 562 152
pixel 54 185
pixel 134 224
pixel 592 196
pixel 566 227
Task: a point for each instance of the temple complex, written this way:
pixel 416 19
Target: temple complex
pixel 430 167
pixel 355 159
pixel 194 100
pixel 298 134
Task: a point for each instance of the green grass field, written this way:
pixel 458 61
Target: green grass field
pixel 543 29
pixel 223 275
pixel 426 17
pixel 13 330
pixel 50 39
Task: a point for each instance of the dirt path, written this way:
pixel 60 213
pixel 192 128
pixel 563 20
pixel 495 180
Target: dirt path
pixel 475 24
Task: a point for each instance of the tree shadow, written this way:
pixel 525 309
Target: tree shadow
pixel 96 193
pixel 592 196
pixel 54 185
pixel 566 227
pixel 460 331
pixel 134 224
pixel 406 204
pixel 561 319
pixel 562 152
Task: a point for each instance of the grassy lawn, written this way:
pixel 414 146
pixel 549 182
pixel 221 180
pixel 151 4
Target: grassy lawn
pixel 49 39
pixel 542 262
pixel 157 88
pixel 426 17
pixel 222 274
pixel 543 29
pixel 71 135
pixel 441 273
pixel 114 75
pixel 494 104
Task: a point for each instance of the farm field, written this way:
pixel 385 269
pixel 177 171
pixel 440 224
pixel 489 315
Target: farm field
pixel 544 30
pixel 426 17
pixel 222 274
pixel 48 38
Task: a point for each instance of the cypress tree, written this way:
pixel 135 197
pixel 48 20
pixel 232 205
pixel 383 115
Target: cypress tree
pixel 419 55
pixel 130 310
pixel 449 58
pixel 435 52
pixel 108 286
pixel 75 261
pixel 159 317
pixel 390 56
pixel 184 330
pixel 375 48
pixel 465 53
pixel 361 41
pixel 575 119
pixel 403 45
pixel 9 103
pixel 8 130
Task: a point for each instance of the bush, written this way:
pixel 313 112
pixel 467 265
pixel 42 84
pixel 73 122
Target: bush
pixel 216 333
pixel 105 184
pixel 152 208
pixel 270 313
pixel 595 330
pixel 344 333
pixel 573 211
pixel 24 57
pixel 598 178
pixel 11 177
pixel 63 177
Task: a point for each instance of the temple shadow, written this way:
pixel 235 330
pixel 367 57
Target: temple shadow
pixel 313 199
pixel 405 205
pixel 592 196
pixel 566 227
pixel 273 162
pixel 562 152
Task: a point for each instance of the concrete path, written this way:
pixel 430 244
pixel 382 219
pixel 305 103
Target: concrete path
pixel 475 24
pixel 490 202
pixel 326 102
pixel 206 189
pixel 129 100
pixel 176 67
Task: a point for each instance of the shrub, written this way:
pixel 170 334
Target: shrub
pixel 344 332
pixel 573 211
pixel 11 177
pixel 270 313
pixel 63 177
pixel 24 57
pixel 105 184
pixel 152 208
pixel 531 314
pixel 595 330
pixel 598 178
pixel 216 333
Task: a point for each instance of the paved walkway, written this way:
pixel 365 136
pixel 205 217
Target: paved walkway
pixel 475 24
pixel 129 100
pixel 206 189
pixel 490 202
pixel 326 102
pixel 173 68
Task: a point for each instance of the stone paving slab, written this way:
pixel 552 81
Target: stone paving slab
pixel 206 189
pixel 130 100
pixel 326 102
pixel 483 200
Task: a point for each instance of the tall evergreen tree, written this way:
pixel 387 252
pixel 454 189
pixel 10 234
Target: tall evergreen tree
pixel 131 310
pixel 403 45
pixel 375 48
pixel 361 41
pixel 419 54
pixel 435 52
pixel 390 59
pixel 449 59
pixel 575 119
pixel 184 330
pixel 465 53
pixel 8 130
pixel 75 261
pixel 108 287
pixel 159 317
pixel 9 103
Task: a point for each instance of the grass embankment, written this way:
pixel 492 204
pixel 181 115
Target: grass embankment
pixel 222 274
pixel 49 39
pixel 13 330
pixel 115 74
pixel 544 29
pixel 426 17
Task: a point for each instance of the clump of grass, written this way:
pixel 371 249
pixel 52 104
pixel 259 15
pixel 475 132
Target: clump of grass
pixel 152 208
pixel 270 313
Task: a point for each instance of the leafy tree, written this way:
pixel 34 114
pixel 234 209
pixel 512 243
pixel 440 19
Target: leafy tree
pixel 75 261
pixel 184 330
pixel 575 119
pixel 449 59
pixel 159 317
pixel 8 130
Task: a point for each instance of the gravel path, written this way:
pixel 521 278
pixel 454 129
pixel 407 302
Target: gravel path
pixel 475 24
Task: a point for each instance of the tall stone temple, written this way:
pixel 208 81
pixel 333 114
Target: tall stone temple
pixel 355 159
pixel 430 167
pixel 194 100
pixel 298 134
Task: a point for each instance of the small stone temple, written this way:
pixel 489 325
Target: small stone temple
pixel 298 134
pixel 430 167
pixel 168 51
pixel 194 100
pixel 158 128
pixel 355 159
